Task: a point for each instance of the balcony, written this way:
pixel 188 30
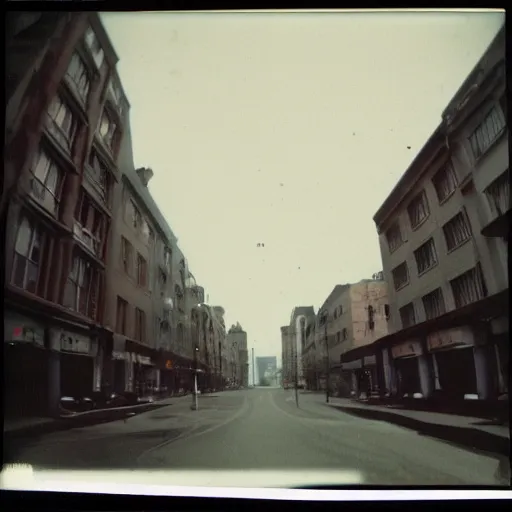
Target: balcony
pixel 87 239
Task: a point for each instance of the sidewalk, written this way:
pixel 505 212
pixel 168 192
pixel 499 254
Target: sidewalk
pixel 470 432
pixel 40 425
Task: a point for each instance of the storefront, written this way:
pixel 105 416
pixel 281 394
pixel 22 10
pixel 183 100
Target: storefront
pixel 79 364
pixel 25 367
pixel 455 362
pixel 119 367
pixel 351 375
pixel 369 382
pixel 407 368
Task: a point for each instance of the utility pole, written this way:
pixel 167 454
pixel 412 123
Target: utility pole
pixel 253 369
pixel 327 372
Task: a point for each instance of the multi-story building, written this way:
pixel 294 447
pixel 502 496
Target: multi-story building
pixel 293 344
pixel 61 150
pixel 237 339
pixel 95 282
pixel 443 232
pixel 286 356
pixel 267 368
pixel 353 315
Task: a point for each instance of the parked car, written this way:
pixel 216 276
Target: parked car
pixel 76 404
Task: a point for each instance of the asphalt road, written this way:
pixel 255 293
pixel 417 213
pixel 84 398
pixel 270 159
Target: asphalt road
pixel 260 429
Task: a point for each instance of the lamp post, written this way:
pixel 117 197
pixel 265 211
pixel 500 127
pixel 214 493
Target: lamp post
pixel 195 405
pixel 298 352
pixel 325 318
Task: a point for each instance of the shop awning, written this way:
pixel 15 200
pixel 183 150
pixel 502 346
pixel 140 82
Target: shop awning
pixel 168 360
pixel 495 306
pixel 136 347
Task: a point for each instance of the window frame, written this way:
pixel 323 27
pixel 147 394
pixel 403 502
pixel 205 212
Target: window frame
pixel 35 231
pixel 75 78
pixel 110 142
pixel 60 175
pixel 126 255
pixel 406 281
pixel 479 283
pixel 141 271
pixel 427 301
pixel 462 214
pixel 482 151
pixel 430 247
pixel 394 229
pixel 419 199
pixel 100 174
pixel 93 45
pixel 121 305
pixel 446 174
pixel 83 283
pixel 140 325
pixel 410 308
pixel 65 137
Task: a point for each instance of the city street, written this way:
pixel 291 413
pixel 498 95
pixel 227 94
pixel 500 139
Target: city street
pixel 260 429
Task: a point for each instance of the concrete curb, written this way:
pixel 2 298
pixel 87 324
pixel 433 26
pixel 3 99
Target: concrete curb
pixel 464 436
pixel 83 419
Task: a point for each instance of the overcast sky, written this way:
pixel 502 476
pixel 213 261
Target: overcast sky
pixel 288 130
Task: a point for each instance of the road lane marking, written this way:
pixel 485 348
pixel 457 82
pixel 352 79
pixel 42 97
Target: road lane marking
pixel 183 436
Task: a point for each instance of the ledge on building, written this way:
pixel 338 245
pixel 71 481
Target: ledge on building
pixel 499 227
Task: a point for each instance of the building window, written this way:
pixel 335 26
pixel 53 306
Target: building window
pixel 126 255
pixel 371 318
pixel 108 130
pixel 344 334
pixel 487 132
pixel 77 72
pixel 469 287
pixel 167 257
pixel 99 175
pixel 407 315
pixel 27 256
pixel 179 298
pixel 140 325
pixel 400 275
pixel 162 279
pixel 94 46
pixel 425 256
pixel 181 334
pixel 146 231
pixel 80 291
pixel 387 312
pixel 418 209
pixel 122 307
pixel 133 215
pixel 498 195
pixel 433 303
pixel 456 231
pixel 394 237
pixel 46 183
pixel 92 225
pixel 62 122
pixel 141 271
pixel 445 183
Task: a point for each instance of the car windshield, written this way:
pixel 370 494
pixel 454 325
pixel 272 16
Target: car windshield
pixel 293 270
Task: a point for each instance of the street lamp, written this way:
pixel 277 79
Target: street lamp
pixel 298 350
pixel 324 316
